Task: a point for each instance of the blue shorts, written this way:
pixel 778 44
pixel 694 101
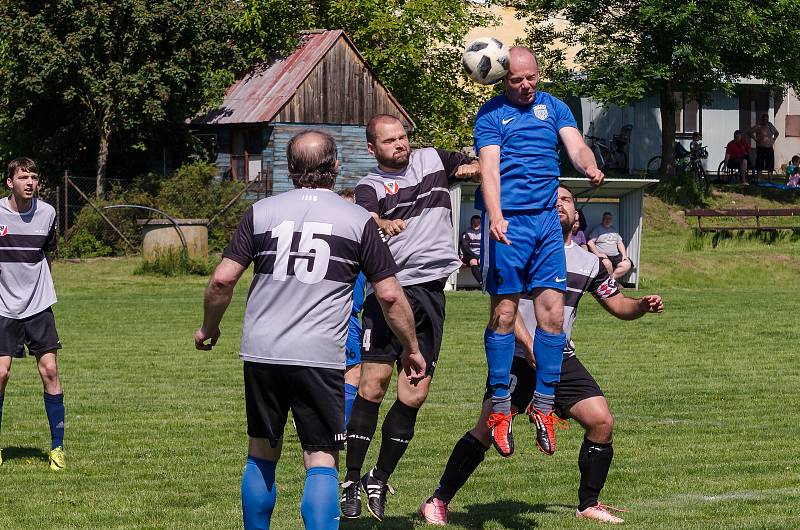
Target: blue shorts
pixel 353 346
pixel 535 258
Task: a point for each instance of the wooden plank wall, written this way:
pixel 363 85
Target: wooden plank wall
pixel 340 90
pixel 354 159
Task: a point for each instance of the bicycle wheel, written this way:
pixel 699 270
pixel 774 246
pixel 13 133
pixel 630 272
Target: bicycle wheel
pixel 699 174
pixel 654 166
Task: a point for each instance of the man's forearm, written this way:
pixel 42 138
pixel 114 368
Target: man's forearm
pixel 217 298
pixel 625 308
pixel 584 160
pixel 401 321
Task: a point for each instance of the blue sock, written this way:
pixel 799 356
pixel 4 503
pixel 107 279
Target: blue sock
pixel 499 354
pixel 549 352
pixel 259 493
pixel 320 504
pixel 54 407
pixel 349 397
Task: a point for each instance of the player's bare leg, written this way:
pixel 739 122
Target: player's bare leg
pixel 5 371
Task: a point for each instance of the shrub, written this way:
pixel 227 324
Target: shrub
pixel 85 245
pixel 174 262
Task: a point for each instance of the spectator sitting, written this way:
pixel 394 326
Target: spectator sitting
pixel 578 236
pixel 794 178
pixel 469 246
pixel 606 243
pixel 737 156
pixel 791 168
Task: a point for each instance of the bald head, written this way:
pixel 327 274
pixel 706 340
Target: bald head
pixel 311 157
pixel 522 77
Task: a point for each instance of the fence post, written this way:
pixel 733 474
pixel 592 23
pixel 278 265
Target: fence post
pixel 66 204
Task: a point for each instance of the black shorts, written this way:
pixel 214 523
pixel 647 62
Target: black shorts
pixel 765 159
pixel 314 395
pixel 37 332
pixel 427 302
pixel 616 260
pixel 576 384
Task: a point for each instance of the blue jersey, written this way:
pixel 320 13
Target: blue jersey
pixel 527 136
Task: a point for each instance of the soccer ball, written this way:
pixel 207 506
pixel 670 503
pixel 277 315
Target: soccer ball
pixel 485 60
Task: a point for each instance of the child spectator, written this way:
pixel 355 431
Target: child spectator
pixel 791 169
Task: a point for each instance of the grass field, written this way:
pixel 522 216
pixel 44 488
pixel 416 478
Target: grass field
pixel 705 398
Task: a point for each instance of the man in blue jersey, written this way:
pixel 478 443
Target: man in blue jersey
pixel 352 371
pixel 516 136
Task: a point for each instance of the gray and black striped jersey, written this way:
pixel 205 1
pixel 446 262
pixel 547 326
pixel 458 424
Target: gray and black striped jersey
pixel 419 195
pixel 26 286
pixel 585 273
pixel 307 247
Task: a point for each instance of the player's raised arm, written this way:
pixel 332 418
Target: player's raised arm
pixel 489 158
pixel 626 308
pixel 580 155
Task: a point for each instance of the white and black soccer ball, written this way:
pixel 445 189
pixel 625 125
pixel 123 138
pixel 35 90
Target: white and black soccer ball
pixel 485 60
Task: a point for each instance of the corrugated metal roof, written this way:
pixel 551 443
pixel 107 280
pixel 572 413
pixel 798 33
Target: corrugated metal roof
pixel 261 94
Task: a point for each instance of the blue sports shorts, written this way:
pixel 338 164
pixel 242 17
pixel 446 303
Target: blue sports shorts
pixel 353 346
pixel 534 259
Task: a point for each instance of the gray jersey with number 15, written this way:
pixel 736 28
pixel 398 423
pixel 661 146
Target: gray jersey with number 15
pixel 307 247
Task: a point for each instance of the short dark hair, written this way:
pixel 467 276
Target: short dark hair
pixel 22 163
pixel 564 186
pixel 312 168
pixel 373 124
pixel 608 214
pixel 478 217
pixel 347 193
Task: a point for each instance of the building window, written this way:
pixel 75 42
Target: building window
pixel 688 115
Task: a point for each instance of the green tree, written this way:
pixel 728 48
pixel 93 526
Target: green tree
pixel 75 75
pixel 629 49
pixel 414 47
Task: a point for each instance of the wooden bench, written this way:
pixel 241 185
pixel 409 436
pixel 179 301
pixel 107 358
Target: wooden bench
pixel 756 213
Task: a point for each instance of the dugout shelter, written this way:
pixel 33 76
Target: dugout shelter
pixel 623 197
pixel 324 84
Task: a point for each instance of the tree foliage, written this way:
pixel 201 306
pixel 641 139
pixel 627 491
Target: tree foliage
pixel 414 47
pixel 629 49
pixel 78 75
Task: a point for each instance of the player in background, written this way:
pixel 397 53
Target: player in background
pixel 516 135
pixel 27 233
pixel 352 371
pixel 307 247
pixel 407 196
pixel 577 396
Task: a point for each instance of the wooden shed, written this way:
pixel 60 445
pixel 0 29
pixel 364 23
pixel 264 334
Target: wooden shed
pixel 325 84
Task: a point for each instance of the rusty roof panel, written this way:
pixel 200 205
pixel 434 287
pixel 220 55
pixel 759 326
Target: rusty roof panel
pixel 259 95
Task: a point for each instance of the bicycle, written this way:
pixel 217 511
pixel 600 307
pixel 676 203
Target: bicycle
pixel 613 156
pixel 691 162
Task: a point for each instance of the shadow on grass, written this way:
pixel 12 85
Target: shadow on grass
pixel 391 522
pixel 507 513
pixel 22 453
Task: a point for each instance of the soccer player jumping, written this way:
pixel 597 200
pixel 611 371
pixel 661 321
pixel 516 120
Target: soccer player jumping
pixel 516 135
pixel 577 396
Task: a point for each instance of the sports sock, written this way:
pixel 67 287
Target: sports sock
pixel 396 434
pixel 2 396
pixel 360 429
pixel 499 355
pixel 54 407
pixel 476 273
pixel 350 392
pixel 259 493
pixel 320 504
pixel 467 454
pixel 594 461
pixel 549 352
